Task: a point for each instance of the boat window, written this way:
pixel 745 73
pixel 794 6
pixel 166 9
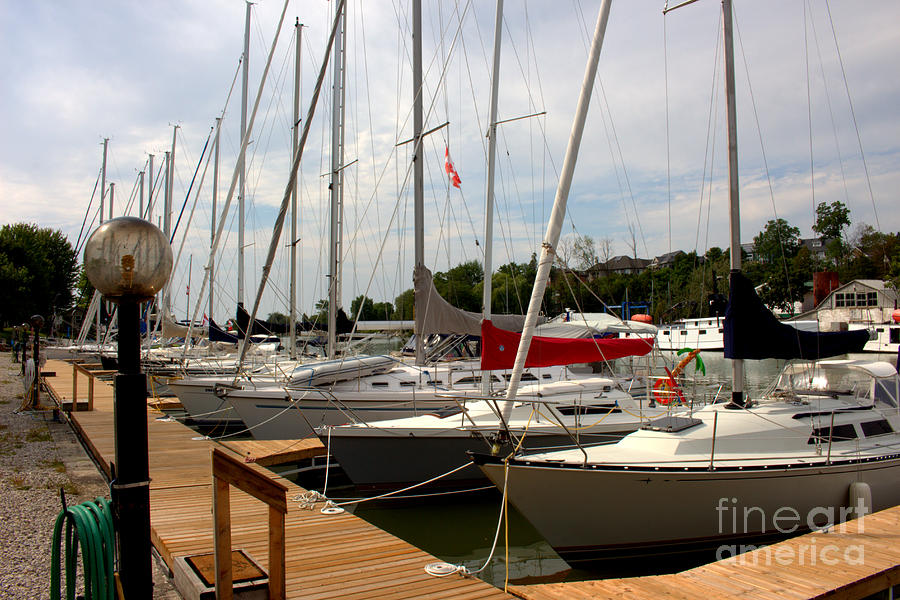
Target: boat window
pixel 547 376
pixel 407 383
pixel 665 333
pixel 525 376
pixel 380 384
pixel 597 409
pixel 435 382
pixel 895 335
pixel 702 332
pixel 886 392
pixel 872 428
pixel 477 379
pixel 842 433
pixel 721 330
pixel 443 413
pixel 684 333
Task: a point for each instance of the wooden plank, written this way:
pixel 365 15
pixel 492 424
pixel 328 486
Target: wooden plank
pixel 271 492
pixel 276 553
pixel 222 511
pixel 276 452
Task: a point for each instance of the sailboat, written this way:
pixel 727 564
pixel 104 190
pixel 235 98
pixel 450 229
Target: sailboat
pixel 819 447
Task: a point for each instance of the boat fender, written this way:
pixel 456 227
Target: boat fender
pixel 860 499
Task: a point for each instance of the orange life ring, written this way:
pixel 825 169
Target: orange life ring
pixel 671 392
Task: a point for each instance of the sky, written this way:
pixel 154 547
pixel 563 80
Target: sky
pixel 817 112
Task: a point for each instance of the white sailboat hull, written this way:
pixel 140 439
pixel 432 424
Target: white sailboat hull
pixel 688 510
pixel 283 414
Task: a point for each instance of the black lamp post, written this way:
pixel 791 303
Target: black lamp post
pixel 37 321
pixel 129 260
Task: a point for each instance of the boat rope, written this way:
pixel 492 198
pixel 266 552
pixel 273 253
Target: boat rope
pixel 250 429
pixel 444 569
pixel 89 524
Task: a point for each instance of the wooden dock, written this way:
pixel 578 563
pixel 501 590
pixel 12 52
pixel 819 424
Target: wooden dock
pixel 327 556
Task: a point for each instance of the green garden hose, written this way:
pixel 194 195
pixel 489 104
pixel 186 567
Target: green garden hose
pixel 91 525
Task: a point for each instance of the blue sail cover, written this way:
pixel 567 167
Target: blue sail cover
pixel 753 332
pixel 217 334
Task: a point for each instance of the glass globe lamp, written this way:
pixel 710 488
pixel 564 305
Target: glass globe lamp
pixel 128 258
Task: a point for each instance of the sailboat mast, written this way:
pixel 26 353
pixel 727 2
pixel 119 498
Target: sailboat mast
pixel 102 198
pixel 167 228
pixel 737 365
pixel 149 216
pixel 103 180
pixel 141 197
pixel 418 171
pixel 294 141
pixel 551 238
pixel 337 101
pixel 112 196
pixel 489 196
pixel 245 76
pixel 212 224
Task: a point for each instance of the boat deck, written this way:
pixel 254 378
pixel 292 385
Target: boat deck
pixel 327 556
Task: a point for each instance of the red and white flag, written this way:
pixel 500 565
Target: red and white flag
pixel 451 170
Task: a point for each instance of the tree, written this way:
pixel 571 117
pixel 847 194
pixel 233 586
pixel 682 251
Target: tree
pixel 38 270
pixel 585 252
pixel 362 306
pixel 779 239
pixel 277 318
pixel 461 286
pixel 404 305
pixel 831 219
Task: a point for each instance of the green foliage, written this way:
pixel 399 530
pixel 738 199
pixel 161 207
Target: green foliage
pixel 831 219
pixel 404 305
pixel 38 269
pixel 277 318
pixel 462 285
pixel 778 239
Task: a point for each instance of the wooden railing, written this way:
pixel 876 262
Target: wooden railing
pixel 92 370
pixel 228 471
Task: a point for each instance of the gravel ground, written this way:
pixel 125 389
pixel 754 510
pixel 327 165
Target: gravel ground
pixel 38 457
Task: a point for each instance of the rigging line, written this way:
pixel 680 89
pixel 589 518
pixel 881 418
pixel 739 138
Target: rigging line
pixel 471 88
pixel 710 150
pixel 420 141
pixel 812 168
pixel 130 203
pixel 87 211
pixel 187 196
pixel 762 147
pixel 368 105
pixel 828 104
pixel 668 138
pixel 531 99
pixel 279 221
pixel 853 114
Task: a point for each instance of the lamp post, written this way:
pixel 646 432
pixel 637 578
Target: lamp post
pixel 129 260
pixel 37 322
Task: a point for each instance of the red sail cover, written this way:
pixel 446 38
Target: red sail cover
pixel 499 347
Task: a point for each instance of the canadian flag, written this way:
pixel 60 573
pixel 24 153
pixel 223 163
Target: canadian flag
pixel 451 170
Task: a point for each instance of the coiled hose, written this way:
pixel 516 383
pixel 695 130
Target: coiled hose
pixel 91 525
